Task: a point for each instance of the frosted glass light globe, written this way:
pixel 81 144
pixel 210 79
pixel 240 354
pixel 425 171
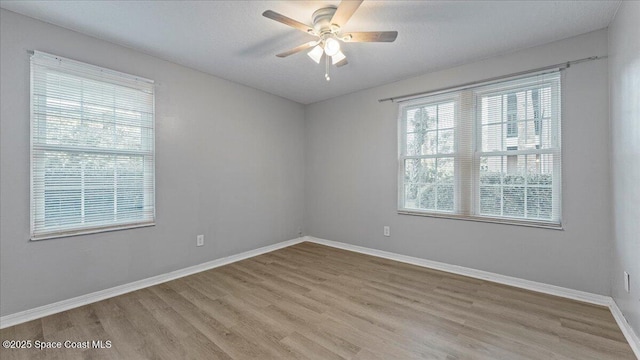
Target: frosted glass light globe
pixel 331 46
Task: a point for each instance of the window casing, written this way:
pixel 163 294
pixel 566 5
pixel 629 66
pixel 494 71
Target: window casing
pixel 504 159
pixel 429 152
pixel 92 149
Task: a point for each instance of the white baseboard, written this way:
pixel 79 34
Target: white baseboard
pixel 583 296
pixel 478 274
pixel 50 309
pixel 627 330
pixel 42 311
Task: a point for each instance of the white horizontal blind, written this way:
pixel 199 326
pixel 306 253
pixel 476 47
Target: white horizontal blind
pixel 518 149
pixel 92 148
pixel 488 152
pixel 428 154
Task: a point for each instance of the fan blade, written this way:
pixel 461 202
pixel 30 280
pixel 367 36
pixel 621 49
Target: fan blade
pixel 287 21
pixel 342 62
pixel 345 11
pixel 371 36
pixel 298 49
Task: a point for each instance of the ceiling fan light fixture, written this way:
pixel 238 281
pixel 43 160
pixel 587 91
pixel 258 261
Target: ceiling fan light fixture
pixel 327 28
pixel 339 56
pixel 316 54
pixel 331 46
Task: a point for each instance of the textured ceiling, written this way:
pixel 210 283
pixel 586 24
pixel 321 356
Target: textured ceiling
pixel 232 40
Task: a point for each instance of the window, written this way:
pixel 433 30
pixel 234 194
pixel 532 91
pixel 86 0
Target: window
pixel 92 148
pixel 489 153
pixel 429 155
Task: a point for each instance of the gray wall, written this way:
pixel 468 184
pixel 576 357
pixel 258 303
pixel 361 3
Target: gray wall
pixel 351 155
pixel 246 184
pixel 624 79
pixel 229 165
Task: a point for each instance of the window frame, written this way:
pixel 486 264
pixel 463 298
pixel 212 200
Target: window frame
pixel 555 152
pixel 37 182
pixel 469 196
pixel 403 156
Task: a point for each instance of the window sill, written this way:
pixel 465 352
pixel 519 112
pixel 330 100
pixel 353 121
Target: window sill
pixel 56 235
pixel 505 221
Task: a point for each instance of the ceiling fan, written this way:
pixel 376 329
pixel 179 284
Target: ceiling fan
pixel 327 26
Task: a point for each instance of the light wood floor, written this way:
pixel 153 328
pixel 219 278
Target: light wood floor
pixel 314 302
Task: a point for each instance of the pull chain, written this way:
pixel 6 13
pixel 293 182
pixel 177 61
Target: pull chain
pixel 326 67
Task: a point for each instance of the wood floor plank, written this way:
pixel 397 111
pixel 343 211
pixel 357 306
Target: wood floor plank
pixel 308 348
pixel 309 301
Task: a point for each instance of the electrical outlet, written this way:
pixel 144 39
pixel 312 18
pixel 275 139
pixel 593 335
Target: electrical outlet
pixel 387 231
pixel 200 240
pixel 626 281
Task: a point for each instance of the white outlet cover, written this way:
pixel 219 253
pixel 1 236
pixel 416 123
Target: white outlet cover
pixel 200 240
pixel 387 231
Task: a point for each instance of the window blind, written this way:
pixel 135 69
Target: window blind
pixel 92 148
pixel 489 152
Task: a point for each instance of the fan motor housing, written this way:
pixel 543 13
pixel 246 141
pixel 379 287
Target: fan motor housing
pixel 322 20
